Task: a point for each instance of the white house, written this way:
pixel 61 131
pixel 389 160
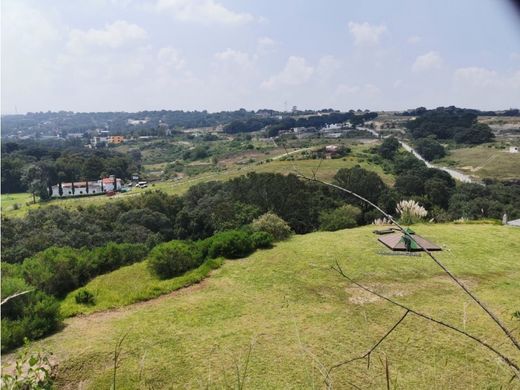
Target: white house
pixel 85 188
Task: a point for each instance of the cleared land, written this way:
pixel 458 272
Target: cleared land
pixel 485 161
pixel 300 315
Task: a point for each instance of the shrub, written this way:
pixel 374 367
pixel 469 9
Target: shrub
pixel 53 271
pixel 33 315
pixel 84 297
pixel 410 211
pixel 262 240
pixel 173 258
pixel 272 224
pixel 341 218
pixel 232 244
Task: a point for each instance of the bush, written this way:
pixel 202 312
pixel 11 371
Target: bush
pixel 272 224
pixel 33 315
pixel 53 271
pixel 231 244
pixel 174 258
pixel 341 218
pixel 262 240
pixel 84 297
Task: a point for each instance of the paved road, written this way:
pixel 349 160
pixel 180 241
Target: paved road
pixel 454 173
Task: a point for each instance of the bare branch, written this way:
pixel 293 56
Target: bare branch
pixel 6 299
pixel 501 325
pixel 515 368
pixel 369 352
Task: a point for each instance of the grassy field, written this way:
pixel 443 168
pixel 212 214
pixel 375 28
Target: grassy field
pixel 327 169
pixel 485 162
pixel 131 284
pixel 299 315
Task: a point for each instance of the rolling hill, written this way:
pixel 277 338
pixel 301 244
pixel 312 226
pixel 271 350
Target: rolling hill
pixel 286 315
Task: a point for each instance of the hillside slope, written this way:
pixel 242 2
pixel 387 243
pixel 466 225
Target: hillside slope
pixel 300 315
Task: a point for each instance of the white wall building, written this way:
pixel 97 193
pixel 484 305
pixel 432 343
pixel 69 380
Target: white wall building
pixel 82 188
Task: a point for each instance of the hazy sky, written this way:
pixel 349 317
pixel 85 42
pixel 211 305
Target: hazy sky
pixel 129 55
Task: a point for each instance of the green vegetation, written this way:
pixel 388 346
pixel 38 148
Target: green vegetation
pixel 341 218
pixel 299 312
pixel 429 149
pixel 450 123
pixel 173 258
pixel 131 284
pixel 272 224
pixel 485 161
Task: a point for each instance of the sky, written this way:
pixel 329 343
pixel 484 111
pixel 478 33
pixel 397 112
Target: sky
pixel 130 55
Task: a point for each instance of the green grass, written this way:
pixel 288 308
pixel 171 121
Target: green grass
pixel 14 204
pixel 327 170
pixel 485 161
pixel 131 284
pixel 299 312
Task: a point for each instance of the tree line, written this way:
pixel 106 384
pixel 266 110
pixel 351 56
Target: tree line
pixel 35 166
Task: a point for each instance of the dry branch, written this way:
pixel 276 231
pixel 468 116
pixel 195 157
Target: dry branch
pixel 6 299
pixel 514 366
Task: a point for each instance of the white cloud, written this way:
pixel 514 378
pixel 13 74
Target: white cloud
pixel 429 61
pixel 477 77
pixel 170 58
pixel 414 39
pixel 295 72
pixel 203 11
pixel 265 45
pixel 115 35
pixel 397 83
pixel 238 57
pixel 481 87
pixel 327 66
pixel 366 34
pixel 366 91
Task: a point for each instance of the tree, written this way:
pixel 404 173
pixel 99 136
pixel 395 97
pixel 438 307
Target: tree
pixel 36 181
pixel 341 218
pixel 361 181
pixel 389 147
pixel 429 149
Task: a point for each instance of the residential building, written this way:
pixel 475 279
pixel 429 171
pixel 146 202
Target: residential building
pixel 115 139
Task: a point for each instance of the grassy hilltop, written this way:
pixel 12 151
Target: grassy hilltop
pixel 300 315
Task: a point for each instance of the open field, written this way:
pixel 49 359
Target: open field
pixel 299 315
pixel 327 169
pixel 485 161
pixel 131 284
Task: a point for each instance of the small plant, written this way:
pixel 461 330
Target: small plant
pixel 410 211
pixel 85 297
pixel 516 315
pixel 32 371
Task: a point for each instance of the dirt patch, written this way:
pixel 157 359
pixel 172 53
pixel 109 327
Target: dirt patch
pixel 358 296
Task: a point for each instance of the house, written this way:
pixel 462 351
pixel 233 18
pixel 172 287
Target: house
pixel 513 149
pixel 98 141
pixel 115 139
pixel 76 189
pixel 86 188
